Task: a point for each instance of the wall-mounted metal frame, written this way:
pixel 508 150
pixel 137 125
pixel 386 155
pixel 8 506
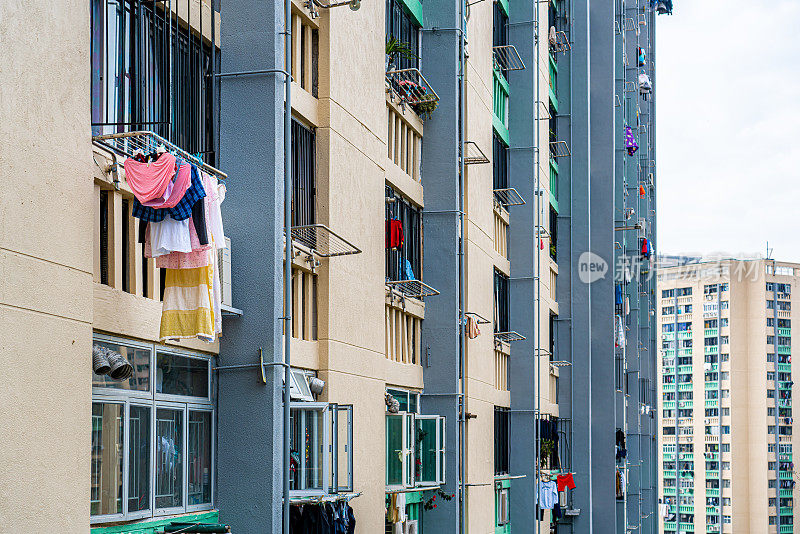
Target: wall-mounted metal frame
pixel 544 110
pixel 562 43
pixel 480 319
pixel 506 58
pixel 473 155
pixel 148 142
pixel 412 288
pixel 508 197
pixel 323 241
pixel 559 149
pixel 312 6
pixel 508 337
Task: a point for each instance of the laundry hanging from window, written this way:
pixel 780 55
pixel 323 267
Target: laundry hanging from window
pixel 178 207
pixel 630 142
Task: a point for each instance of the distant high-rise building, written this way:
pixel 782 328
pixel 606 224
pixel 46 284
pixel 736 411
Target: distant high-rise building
pixel 725 384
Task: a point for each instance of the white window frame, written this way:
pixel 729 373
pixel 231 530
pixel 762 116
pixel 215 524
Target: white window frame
pixel 330 447
pixel 152 400
pixel 408 452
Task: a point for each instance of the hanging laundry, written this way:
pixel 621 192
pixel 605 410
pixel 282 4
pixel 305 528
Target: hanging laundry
pixel 175 189
pixel 149 180
pixel 630 142
pixel 472 328
pixel 642 192
pixel 646 249
pixel 565 481
pixel 627 308
pixel 618 294
pixel 182 210
pixel 619 332
pixel 187 308
pixel 408 272
pixel 645 85
pixel 394 233
pixel 168 236
pixel 641 55
pixel 548 494
pixel 541 244
pixel 552 36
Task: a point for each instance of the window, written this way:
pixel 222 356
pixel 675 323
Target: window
pixel 415 445
pixel 668 310
pixel 726 447
pixel 684 291
pixel 501 302
pixel 402 27
pixel 321 444
pixel 409 251
pixel 151 73
pixel 667 293
pixel 502 430
pixel 304 182
pixel 151 434
pixel 499 162
pixel 500 26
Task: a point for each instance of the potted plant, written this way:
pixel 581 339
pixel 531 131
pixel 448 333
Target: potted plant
pixel 395 49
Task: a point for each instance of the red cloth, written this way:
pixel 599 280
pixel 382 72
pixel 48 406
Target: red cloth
pixel 394 233
pixel 641 191
pixel 565 481
pixel 149 181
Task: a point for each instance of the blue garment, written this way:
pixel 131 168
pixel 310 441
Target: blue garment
pixel 408 272
pixel 618 294
pixel 182 211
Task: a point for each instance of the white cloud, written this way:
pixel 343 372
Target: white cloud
pixel 728 132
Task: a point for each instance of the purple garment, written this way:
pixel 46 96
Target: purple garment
pixel 630 141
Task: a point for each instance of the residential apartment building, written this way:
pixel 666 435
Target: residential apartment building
pixel 725 383
pixel 447 357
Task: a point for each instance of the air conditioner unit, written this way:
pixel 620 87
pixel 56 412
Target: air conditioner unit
pixel 224 269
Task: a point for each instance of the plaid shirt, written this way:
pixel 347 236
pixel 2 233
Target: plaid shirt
pixel 182 211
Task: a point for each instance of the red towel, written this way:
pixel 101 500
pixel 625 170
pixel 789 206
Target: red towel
pixel 641 191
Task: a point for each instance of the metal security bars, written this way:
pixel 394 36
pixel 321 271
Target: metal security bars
pixel 501 302
pixel 401 26
pixel 304 183
pixel 408 251
pixel 150 72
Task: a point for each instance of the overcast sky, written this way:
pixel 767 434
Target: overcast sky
pixel 728 127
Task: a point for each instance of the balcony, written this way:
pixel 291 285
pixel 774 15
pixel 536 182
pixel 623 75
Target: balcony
pixel 685 369
pixel 501 221
pixel 712 492
pixel 409 87
pixel 668 387
pixel 685 335
pixel 784 332
pixel 712 385
pixel 404 147
pixel 501 357
pixel 403 328
pixel 784 367
pixel 713 349
pixel 712 403
pixel 786 510
pixel 685 387
pixel 710 332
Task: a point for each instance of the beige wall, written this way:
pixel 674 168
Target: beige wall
pixel 45 266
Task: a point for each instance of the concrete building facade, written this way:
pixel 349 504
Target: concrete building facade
pixel 725 383
pixel 450 165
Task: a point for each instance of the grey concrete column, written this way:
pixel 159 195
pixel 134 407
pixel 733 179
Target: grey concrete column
pixel 250 429
pixel 522 251
pixel 601 168
pixel 440 330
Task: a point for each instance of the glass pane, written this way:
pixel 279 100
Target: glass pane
pixel 345 447
pixel 409 442
pixel 179 375
pixel 169 458
pixel 139 459
pixel 199 457
pixel 139 359
pixel 394 450
pixel 402 398
pixel 106 464
pixel 425 469
pixel 442 450
pixel 306 449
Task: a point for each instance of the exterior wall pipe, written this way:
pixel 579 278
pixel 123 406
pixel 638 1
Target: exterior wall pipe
pixel 287 268
pixel 537 371
pixel 462 420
